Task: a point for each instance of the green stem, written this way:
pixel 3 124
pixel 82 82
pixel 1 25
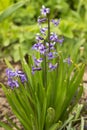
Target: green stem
pixel 45 59
pixel 45 66
pixel 45 69
pixel 49 31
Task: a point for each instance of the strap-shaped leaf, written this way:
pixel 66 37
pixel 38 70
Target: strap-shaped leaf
pixel 11 9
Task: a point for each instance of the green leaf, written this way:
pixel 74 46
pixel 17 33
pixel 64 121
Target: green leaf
pixel 11 9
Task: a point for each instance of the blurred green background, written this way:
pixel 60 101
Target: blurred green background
pixel 18 26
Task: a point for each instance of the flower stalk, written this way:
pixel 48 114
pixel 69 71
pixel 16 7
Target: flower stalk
pixel 45 69
pixel 49 30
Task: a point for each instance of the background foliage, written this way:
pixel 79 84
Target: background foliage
pixel 20 27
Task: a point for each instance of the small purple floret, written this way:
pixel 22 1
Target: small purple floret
pixel 10 73
pixel 67 60
pixel 42 49
pixel 50 55
pixel 37 61
pixel 12 83
pixel 52 67
pixel 43 30
pixel 39 47
pixel 60 40
pixel 41 20
pixel 39 38
pixel 54 37
pixel 51 45
pixel 45 11
pixel 55 22
pixel 36 69
pixel 22 76
pixel 36 46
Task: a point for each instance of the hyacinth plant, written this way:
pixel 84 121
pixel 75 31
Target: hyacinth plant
pixel 43 95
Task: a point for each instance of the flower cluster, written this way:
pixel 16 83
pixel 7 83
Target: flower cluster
pixel 46 42
pixel 12 77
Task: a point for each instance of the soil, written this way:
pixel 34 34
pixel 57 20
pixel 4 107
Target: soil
pixel 4 106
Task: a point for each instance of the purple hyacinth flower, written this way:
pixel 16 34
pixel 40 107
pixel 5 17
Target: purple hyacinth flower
pixel 45 11
pixel 23 78
pixel 55 22
pixel 36 69
pixel 39 47
pixel 10 72
pixel 38 37
pixel 51 55
pixel 52 67
pixel 42 49
pixel 12 83
pixel 41 20
pixel 43 30
pixel 21 75
pixel 36 46
pixel 68 60
pixel 51 45
pixel 60 40
pixel 54 37
pixel 37 61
